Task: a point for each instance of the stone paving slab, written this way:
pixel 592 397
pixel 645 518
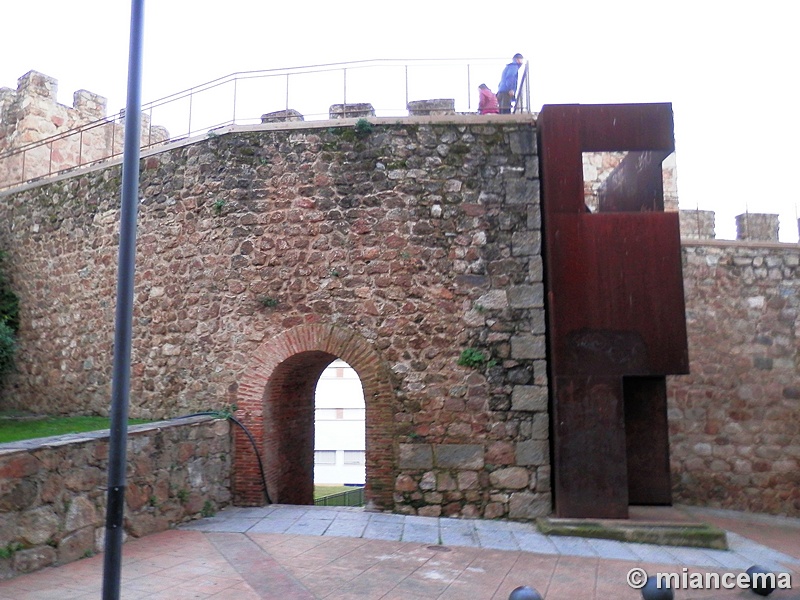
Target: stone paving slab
pixel 425 534
pixel 495 535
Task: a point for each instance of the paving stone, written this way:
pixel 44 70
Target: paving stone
pixel 346 528
pixel 309 527
pixel 232 525
pixel 531 541
pixel 383 531
pixel 272 526
pixel 497 539
pixel 424 534
pixel 572 546
pixel 612 549
pixel 653 554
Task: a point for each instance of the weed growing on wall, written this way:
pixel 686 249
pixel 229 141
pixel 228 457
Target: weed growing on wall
pixel 9 322
pixel 363 127
pixel 474 358
pixel 8 346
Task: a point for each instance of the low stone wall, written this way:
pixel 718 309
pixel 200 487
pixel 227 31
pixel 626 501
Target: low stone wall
pixel 53 490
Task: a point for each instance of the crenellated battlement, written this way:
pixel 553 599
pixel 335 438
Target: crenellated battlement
pixel 57 137
pixel 32 112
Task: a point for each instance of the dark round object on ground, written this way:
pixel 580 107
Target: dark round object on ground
pixel 524 592
pixel 762 586
pixel 651 591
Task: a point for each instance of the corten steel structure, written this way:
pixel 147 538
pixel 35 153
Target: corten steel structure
pixel 616 316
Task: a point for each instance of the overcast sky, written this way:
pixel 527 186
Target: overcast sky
pixel 730 68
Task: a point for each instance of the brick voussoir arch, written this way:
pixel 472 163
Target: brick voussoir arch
pixel 253 396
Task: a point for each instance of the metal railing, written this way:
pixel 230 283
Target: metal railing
pixel 354 497
pixel 522 101
pixel 242 98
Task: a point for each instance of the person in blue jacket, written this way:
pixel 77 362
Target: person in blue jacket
pixel 508 84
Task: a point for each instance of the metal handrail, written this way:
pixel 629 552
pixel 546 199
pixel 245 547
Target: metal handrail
pixel 168 111
pixel 522 99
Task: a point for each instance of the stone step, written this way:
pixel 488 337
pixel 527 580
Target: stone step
pixel 697 535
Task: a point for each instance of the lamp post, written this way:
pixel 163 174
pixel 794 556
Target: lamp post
pixel 120 385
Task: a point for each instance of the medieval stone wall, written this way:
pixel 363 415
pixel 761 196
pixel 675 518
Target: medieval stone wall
pixel 735 420
pixel 422 238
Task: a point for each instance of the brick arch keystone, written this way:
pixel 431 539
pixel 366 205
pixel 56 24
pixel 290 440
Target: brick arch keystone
pixel 275 391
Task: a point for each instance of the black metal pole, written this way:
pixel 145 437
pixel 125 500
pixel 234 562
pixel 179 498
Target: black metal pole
pixel 120 385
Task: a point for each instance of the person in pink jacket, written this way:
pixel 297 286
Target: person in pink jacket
pixel 487 104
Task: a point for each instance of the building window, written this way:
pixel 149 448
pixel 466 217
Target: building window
pixel 324 457
pixel 354 457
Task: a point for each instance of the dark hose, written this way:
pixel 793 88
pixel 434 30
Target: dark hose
pixel 214 413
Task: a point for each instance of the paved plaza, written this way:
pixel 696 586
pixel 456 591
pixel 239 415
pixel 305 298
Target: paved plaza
pixel 304 552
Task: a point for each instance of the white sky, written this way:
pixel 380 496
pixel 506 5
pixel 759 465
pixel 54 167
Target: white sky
pixel 730 68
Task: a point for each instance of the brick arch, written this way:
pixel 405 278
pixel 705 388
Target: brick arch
pixel 275 402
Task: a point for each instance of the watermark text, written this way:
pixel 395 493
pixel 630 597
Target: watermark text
pixel 686 580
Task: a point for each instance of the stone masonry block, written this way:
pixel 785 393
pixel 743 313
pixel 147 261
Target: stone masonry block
pixel 534 217
pixel 39 525
pixel 523 142
pixel 526 296
pixel 524 505
pixel 532 167
pixel 526 243
pixel 538 324
pixel 494 299
pixel 415 456
pixel 459 456
pixel 81 514
pixel 34 559
pixel 528 346
pixel 529 398
pixel 533 452
pixel 511 478
pixel 521 190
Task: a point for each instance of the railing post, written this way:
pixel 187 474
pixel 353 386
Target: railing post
pixel 287 91
pixel 406 67
pixel 528 86
pixel 191 99
pixel 235 81
pixel 344 94
pixel 80 149
pixel 469 89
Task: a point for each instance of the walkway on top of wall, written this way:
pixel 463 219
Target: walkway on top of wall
pixel 466 119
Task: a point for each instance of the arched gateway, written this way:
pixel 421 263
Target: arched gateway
pixel 276 403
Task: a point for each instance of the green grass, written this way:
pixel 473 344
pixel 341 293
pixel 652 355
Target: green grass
pixel 327 490
pixel 16 429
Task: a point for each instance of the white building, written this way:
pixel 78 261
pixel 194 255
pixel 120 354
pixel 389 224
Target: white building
pixel 339 431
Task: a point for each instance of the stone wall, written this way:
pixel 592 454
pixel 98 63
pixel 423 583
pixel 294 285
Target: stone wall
pixel 597 166
pixel 31 113
pixel 419 238
pixel 756 226
pixel 735 420
pixel 698 224
pixel 53 490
